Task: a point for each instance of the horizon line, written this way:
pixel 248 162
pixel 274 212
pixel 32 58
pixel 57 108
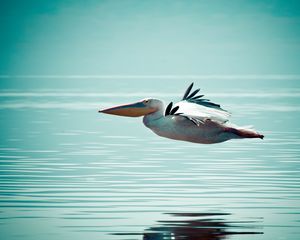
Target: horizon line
pixel 162 76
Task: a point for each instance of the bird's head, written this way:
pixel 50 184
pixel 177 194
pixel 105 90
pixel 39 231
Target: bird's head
pixel 137 109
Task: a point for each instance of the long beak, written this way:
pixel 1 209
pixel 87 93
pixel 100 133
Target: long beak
pixel 129 110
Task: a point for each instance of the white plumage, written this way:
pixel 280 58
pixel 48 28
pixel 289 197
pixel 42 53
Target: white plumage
pixel 201 113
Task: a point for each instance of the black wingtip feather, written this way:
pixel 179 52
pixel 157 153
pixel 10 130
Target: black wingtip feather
pixel 168 109
pixel 194 93
pixel 198 99
pixel 187 91
pixel 174 110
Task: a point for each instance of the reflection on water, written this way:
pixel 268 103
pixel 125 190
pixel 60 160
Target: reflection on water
pixel 198 226
pixel 67 172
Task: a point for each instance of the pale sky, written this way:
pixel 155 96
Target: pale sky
pixel 149 37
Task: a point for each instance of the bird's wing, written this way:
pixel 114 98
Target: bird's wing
pixel 197 109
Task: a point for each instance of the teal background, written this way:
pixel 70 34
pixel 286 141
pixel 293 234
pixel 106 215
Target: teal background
pixel 149 37
pixel 68 172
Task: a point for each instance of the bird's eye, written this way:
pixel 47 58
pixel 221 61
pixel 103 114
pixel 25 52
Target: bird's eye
pixel 146 101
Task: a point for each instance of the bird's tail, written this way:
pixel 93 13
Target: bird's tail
pixel 245 132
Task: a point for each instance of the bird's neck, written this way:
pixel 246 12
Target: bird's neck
pixel 149 119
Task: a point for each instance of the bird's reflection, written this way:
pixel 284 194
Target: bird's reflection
pixel 199 226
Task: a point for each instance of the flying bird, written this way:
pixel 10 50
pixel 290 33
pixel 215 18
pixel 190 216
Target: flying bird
pixel 193 119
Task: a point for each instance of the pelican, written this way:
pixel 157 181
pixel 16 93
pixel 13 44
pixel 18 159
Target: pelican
pixel 193 119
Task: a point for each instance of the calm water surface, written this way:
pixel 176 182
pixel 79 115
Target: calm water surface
pixel 68 172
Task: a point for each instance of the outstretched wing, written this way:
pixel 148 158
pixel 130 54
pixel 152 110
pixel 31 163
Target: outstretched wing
pixel 197 109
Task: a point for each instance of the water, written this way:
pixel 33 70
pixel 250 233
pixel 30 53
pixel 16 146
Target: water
pixel 68 172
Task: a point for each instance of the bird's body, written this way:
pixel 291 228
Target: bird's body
pixel 179 128
pixel 193 119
